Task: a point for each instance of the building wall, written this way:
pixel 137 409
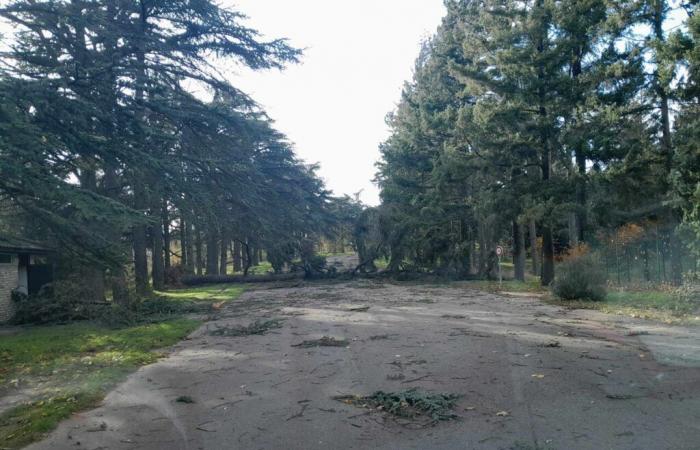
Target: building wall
pixel 8 282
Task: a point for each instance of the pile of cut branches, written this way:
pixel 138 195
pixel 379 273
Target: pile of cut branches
pixel 259 327
pixel 409 404
pixel 325 341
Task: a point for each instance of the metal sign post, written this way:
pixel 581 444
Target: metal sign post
pixel 499 253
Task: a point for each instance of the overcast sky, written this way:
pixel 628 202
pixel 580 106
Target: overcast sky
pixel 332 106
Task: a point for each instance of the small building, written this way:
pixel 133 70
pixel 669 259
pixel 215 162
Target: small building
pixel 24 267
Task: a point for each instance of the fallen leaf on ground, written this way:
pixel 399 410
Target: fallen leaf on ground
pixel 537 375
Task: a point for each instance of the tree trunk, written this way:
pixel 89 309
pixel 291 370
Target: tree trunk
pixel 254 256
pixel 91 275
pixel 472 257
pixel 140 242
pixel 581 198
pixel 676 250
pixel 139 232
pixel 111 184
pixel 247 258
pixel 189 249
pixel 117 274
pixel 223 262
pixel 580 216
pixel 667 147
pixel 534 253
pixel 573 231
pixel 199 249
pixel 184 257
pixel 157 264
pixel 212 251
pixel 645 256
pixel 166 235
pixel 237 263
pixel 548 255
pixel 547 235
pixel 519 251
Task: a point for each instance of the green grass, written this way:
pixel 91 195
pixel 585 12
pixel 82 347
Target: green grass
pixel 28 423
pixel 261 269
pixel 209 293
pixel 658 305
pixel 78 364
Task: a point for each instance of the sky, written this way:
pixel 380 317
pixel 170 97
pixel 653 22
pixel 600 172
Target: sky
pixel 332 106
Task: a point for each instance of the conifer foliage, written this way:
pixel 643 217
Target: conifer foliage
pixel 120 133
pixel 560 120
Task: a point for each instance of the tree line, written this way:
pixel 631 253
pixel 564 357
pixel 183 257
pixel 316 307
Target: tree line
pixel 124 145
pixel 542 124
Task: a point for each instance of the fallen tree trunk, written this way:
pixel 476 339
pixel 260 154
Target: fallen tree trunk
pixel 224 279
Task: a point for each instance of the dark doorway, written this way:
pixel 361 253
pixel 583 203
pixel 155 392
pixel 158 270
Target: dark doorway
pixel 38 277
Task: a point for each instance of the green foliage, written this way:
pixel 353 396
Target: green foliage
pixel 115 136
pixel 257 328
pixel 580 278
pixel 62 301
pixel 325 341
pixel 535 112
pixel 409 404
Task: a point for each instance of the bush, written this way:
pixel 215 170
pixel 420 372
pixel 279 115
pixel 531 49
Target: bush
pixel 174 275
pixel 48 306
pixel 580 278
pixel 687 296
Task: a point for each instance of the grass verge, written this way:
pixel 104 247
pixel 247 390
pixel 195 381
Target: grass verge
pixel 78 363
pixel 661 306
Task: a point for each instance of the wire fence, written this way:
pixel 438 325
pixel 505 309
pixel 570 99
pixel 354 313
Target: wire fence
pixel 641 254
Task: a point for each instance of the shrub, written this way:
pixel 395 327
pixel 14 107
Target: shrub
pixel 687 296
pixel 174 275
pixel 50 305
pixel 580 278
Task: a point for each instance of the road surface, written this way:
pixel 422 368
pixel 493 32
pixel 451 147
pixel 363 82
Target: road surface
pixel 530 376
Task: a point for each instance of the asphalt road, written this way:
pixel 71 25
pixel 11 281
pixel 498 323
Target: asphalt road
pixel 530 376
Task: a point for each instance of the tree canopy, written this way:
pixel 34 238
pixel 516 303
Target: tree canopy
pixel 562 120
pixel 121 133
